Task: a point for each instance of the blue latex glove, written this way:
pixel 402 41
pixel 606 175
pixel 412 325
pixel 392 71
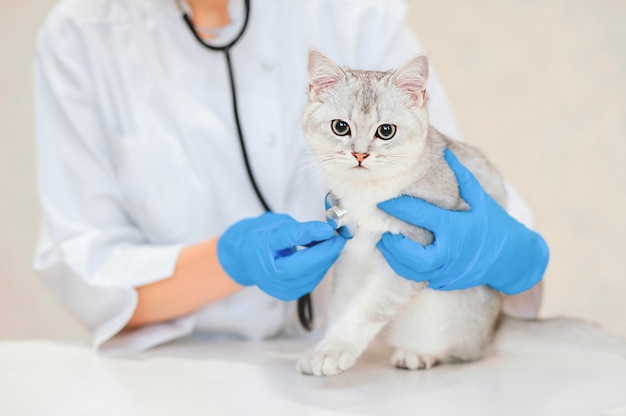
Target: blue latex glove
pixel 262 251
pixel 481 246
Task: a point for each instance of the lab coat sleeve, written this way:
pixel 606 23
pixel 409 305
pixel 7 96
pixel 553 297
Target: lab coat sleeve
pixel 89 255
pixel 384 25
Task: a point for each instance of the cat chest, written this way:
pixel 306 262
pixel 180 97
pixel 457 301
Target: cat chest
pixel 371 222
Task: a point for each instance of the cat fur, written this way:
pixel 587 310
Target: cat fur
pixel 423 327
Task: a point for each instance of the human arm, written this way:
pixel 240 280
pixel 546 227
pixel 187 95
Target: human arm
pixel 198 280
pixel 99 254
pixel 261 251
pixel 481 246
pixel 93 252
pixel 523 305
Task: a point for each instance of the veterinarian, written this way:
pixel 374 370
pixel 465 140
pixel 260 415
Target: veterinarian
pixel 154 182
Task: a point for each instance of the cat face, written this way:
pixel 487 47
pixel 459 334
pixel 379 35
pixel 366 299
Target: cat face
pixel 366 125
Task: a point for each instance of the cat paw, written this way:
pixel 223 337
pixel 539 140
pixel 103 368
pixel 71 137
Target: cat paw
pixel 327 360
pixel 410 360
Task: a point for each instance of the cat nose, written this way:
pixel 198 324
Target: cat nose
pixel 360 157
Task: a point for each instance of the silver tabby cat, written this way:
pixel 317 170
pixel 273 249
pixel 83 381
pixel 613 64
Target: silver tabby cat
pixel 370 132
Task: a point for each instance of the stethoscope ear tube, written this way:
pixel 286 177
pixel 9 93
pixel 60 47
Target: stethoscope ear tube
pixel 305 306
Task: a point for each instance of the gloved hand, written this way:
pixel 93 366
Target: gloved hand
pixel 481 246
pixel 262 251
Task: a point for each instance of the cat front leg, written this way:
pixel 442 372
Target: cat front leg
pixel 363 316
pixel 328 359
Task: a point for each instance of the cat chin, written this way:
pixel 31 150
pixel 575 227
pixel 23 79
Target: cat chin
pixel 370 173
pixel 354 175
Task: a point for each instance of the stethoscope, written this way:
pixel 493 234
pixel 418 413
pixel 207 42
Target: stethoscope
pixel 305 307
pixel 338 217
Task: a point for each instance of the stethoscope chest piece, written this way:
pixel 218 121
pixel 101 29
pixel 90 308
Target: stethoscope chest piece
pixel 338 217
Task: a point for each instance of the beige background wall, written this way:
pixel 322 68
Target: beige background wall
pixel 26 309
pixel 539 85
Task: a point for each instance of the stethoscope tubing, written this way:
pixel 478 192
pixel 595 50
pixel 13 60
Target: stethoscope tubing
pixel 305 307
pixel 233 89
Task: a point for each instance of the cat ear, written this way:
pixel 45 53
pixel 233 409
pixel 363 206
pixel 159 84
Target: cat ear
pixel 412 77
pixel 323 73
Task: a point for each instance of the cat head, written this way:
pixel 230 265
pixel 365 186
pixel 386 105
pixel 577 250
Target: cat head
pixel 366 125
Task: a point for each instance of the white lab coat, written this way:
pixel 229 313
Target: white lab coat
pixel 138 154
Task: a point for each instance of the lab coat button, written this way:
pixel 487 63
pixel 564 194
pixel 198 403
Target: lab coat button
pixel 271 140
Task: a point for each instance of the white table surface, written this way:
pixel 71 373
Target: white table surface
pixel 555 367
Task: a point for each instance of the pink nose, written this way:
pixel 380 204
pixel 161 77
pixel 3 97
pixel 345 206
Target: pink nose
pixel 360 157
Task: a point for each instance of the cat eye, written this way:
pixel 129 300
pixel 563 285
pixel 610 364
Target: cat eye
pixel 386 131
pixel 340 127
